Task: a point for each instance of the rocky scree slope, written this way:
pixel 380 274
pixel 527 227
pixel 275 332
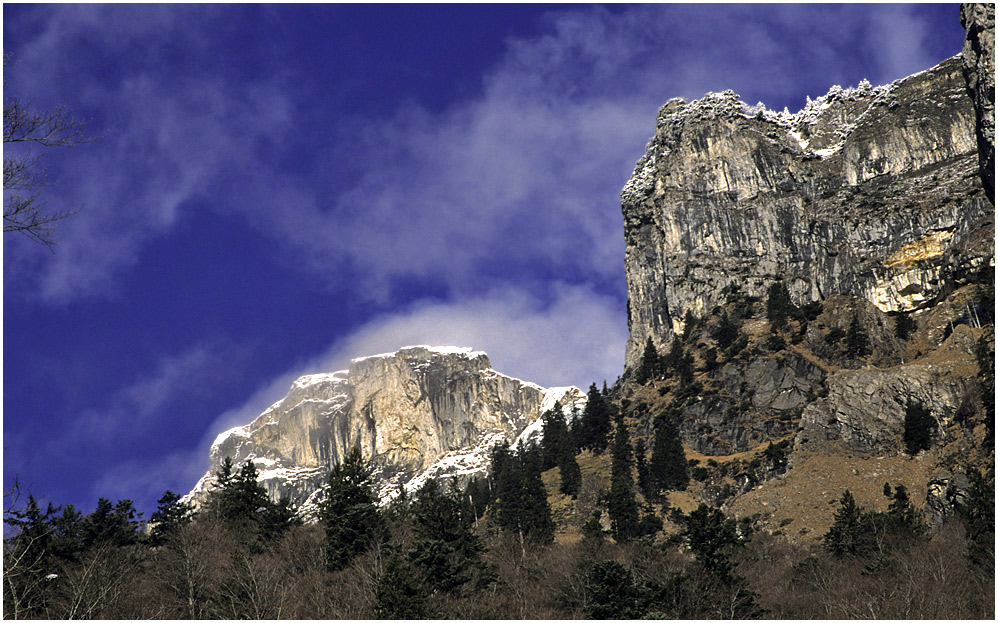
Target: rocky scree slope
pixel 416 413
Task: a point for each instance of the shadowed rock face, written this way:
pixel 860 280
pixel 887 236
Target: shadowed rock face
pixel 416 410
pixel 979 71
pixel 871 192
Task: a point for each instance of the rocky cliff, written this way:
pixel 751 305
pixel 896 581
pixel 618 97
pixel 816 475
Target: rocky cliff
pixel 874 207
pixel 979 70
pixel 869 191
pixel 415 413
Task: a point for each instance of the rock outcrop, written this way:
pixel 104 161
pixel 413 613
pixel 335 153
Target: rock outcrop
pixel 979 70
pixel 418 412
pixel 871 192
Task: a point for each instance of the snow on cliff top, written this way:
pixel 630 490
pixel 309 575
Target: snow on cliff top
pixel 443 350
pixel 312 379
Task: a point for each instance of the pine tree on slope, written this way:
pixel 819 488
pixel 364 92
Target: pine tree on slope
pixel 349 513
pixel 668 468
pixel 623 505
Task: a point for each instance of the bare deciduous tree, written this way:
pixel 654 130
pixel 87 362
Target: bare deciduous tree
pixel 24 209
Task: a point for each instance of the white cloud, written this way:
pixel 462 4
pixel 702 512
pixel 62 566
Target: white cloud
pixel 569 336
pixel 527 174
pixel 140 406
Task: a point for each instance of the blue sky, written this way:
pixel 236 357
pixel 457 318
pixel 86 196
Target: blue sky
pixel 280 188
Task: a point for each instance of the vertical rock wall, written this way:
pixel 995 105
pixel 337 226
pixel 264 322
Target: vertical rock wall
pixel 870 192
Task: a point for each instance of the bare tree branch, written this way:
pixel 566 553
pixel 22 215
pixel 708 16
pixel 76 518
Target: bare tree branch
pixel 24 210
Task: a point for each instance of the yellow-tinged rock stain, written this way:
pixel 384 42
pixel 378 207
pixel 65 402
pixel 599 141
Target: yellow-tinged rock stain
pixel 928 246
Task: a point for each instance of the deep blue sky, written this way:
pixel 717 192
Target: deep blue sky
pixel 279 188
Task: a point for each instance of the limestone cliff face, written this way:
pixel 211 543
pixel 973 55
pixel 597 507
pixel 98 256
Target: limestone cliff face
pixel 979 70
pixel 871 192
pixel 418 410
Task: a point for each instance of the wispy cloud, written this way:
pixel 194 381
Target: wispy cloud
pixel 140 406
pixel 569 336
pixel 524 176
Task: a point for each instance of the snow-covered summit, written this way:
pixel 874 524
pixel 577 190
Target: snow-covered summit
pixel 465 351
pixel 416 413
pixel 840 109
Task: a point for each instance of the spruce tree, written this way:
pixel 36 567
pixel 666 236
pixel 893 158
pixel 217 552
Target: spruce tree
pixel 349 513
pixel 710 535
pixel 689 324
pixel 613 593
pixel 847 535
pixel 244 499
pixel 673 360
pixel 117 524
pixel 521 505
pixel 919 427
pixel 538 525
pixel 904 326
pixel 644 475
pixel 978 512
pixel 727 331
pixel 277 519
pixel 571 474
pixel 506 487
pixel 398 594
pixel 558 450
pixel 446 548
pixel 857 342
pixel 902 518
pixel 170 515
pixel 555 436
pixel 650 367
pixel 594 425
pixel 622 505
pixel 668 467
pixel 778 305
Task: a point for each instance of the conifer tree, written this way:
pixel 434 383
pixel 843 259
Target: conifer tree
pixel 902 518
pixel 689 324
pixel 446 549
pixel 727 330
pixel 847 535
pixel 521 505
pixel 349 513
pixel 26 560
pixel 710 534
pixel 613 593
pixel 594 425
pixel 904 326
pixel 243 498
pixel 857 342
pixel 538 525
pixel 558 450
pixel 571 474
pixel 398 593
pixel 651 364
pixel 555 436
pixel 644 476
pixel 278 518
pixel 112 523
pixel 778 305
pixel 978 512
pixel 673 360
pixel 919 427
pixel 170 515
pixel 668 467
pixel 622 505
pixel 67 528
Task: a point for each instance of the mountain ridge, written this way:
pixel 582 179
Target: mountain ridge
pixel 417 412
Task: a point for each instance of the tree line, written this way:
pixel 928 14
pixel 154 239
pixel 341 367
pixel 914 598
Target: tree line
pixel 487 549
